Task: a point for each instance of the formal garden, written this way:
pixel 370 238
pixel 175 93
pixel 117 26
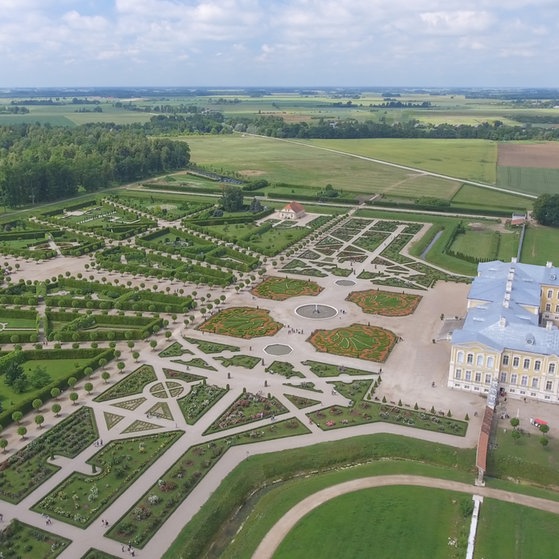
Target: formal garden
pixel 22 540
pixel 371 343
pixel 247 408
pixel 385 303
pixel 280 289
pixel 132 384
pixel 81 498
pixel 241 322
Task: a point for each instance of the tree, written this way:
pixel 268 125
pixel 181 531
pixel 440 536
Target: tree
pixel 515 422
pixel 17 416
pixel 74 397
pixel 88 371
pixel 135 355
pixel 120 366
pixel 40 378
pixel 105 376
pixel 102 362
pixel 546 209
pixel 88 387
pixel 15 376
pixel 37 404
pixel 544 441
pixel 22 431
pixel 56 409
pixel 153 344
pixel 544 428
pixel 55 392
pixel 39 420
pixel 3 444
pixel 72 381
pixel 232 198
pixel 516 435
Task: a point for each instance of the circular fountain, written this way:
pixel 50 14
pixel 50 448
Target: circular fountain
pixel 278 349
pixel 345 282
pixel 316 311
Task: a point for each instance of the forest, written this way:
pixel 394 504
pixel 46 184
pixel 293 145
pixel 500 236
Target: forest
pixel 42 163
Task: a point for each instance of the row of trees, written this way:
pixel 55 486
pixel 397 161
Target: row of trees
pixel 349 128
pixel 44 163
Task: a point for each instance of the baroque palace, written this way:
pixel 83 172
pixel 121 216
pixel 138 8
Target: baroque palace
pixel 509 337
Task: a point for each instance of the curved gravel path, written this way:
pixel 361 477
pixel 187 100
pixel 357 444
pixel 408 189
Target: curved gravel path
pixel 281 528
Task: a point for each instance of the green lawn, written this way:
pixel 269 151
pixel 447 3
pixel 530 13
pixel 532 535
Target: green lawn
pixel 384 523
pixel 515 532
pixel 478 244
pixel 22 540
pixel 540 245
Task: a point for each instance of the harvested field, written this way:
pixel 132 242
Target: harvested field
pixel 544 155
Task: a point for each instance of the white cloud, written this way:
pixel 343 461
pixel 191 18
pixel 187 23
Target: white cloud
pixel 310 41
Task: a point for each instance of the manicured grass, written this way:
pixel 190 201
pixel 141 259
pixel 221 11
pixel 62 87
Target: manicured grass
pixel 300 402
pixel 242 322
pixel 211 347
pixel 323 464
pixel 246 361
pixel 328 370
pixel 279 289
pixel 201 398
pixel 118 465
pixel 132 384
pixel 182 375
pixel 371 343
pixel 247 408
pixel 174 350
pixel 474 196
pixel 28 468
pixel 420 522
pixel 195 362
pixel 361 412
pixel 540 245
pixel 477 244
pixel 385 303
pixel 507 530
pixel 524 458
pixel 284 368
pixel 22 540
pixel 96 554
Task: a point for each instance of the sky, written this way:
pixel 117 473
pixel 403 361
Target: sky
pixel 245 43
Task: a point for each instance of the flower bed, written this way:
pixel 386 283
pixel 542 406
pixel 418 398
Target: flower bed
pixel 247 408
pixel 335 417
pixel 28 468
pixel 199 400
pixel 174 350
pixel 385 303
pixel 182 375
pixel 300 402
pixel 81 498
pixel 133 384
pixel 211 347
pixel 329 370
pixel 22 540
pixel 284 368
pixel 242 322
pixel 142 521
pixel 357 340
pixel 279 289
pixel 246 361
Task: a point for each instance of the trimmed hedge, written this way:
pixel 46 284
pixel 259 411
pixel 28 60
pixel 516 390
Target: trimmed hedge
pixel 22 356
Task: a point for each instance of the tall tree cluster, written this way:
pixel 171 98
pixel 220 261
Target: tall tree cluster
pixel 45 163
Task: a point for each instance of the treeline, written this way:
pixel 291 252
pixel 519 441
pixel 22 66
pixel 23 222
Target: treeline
pixel 45 163
pixel 347 129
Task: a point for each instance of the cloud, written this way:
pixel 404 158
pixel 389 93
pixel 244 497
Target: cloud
pixel 303 41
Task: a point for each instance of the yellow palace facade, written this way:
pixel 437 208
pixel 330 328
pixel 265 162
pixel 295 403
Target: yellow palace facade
pixel 510 336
